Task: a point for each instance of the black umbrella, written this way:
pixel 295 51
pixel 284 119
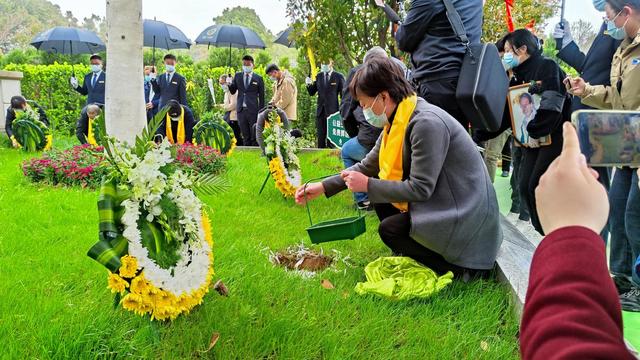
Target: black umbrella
pixel 158 34
pixel 230 36
pixel 284 38
pixel 68 41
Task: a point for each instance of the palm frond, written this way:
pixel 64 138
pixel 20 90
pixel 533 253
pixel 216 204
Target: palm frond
pixel 149 132
pixel 209 184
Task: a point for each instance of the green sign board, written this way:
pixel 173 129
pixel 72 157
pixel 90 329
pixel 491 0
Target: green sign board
pixel 336 134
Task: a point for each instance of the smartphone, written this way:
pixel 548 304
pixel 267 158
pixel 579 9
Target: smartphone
pixel 609 138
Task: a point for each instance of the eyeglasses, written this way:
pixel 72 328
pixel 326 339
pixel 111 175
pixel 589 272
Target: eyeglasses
pixel 606 18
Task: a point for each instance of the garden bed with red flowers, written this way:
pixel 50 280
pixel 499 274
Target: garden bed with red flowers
pixel 85 165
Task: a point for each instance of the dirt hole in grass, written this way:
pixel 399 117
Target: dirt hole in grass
pixel 301 258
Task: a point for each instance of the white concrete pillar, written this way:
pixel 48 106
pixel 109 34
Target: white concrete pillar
pixel 125 114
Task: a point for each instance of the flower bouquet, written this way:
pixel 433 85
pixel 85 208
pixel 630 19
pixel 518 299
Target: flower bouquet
pixel 31 133
pixel 213 131
pixel 155 237
pixel 281 151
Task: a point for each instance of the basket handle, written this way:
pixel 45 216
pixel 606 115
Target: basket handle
pixel 307 202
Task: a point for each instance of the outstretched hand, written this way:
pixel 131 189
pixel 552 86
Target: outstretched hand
pixel 313 191
pixel 356 181
pixel 569 193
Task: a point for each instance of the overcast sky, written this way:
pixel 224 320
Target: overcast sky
pixel 193 16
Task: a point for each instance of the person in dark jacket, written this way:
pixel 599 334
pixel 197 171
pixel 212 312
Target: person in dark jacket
pixel 328 85
pixel 170 85
pixel 250 89
pixel 594 68
pixel 84 126
pixel 425 178
pixel 19 103
pixel 363 135
pixel 151 99
pixel 523 54
pixel 178 126
pixel 572 309
pixel 436 52
pixel 94 82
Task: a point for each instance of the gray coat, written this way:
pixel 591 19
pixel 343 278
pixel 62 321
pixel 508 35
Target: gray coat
pixel 452 203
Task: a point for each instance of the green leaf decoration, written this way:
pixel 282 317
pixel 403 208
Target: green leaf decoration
pixel 209 184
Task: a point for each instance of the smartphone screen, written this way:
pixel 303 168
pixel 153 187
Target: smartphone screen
pixel 609 138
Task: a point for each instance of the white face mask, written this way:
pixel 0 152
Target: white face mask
pixel 170 68
pixel 175 119
pixel 96 68
pixel 376 120
pixel 247 69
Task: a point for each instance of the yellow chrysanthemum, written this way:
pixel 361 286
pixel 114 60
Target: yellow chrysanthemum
pixel 282 184
pixel 133 302
pixel 129 266
pixel 116 283
pixel 140 285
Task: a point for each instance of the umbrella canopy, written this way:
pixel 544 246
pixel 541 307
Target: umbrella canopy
pixel 158 34
pixel 230 36
pixel 284 38
pixel 68 41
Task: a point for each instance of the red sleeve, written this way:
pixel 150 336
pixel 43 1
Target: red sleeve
pixel 572 309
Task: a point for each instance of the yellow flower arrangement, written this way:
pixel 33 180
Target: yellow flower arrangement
pixel 282 184
pixel 145 298
pixel 129 266
pixel 116 283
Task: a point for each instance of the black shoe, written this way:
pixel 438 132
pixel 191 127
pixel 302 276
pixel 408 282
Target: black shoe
pixel 365 206
pixel 630 300
pixel 505 174
pixel 623 284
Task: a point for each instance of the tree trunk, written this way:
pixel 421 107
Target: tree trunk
pixel 125 114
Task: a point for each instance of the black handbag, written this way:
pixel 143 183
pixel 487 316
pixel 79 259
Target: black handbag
pixel 483 85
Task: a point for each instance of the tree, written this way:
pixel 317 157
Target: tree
pixel 523 12
pixel 125 115
pixel 23 19
pixel 342 30
pixel 71 20
pixel 583 33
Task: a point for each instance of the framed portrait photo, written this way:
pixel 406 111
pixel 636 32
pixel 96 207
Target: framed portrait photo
pixel 523 108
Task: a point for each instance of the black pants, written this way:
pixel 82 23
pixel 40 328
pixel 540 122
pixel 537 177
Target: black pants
pixel 442 93
pixel 235 126
pixel 506 151
pixel 321 129
pixel 518 204
pixel 247 119
pixel 394 232
pixel 534 165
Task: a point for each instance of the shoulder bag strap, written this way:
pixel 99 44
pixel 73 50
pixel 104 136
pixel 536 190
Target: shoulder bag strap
pixel 456 22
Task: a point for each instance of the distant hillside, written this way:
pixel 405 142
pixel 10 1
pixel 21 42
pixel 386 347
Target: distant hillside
pixel 21 20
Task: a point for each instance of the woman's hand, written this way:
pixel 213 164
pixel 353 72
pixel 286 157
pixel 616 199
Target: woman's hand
pixel 569 193
pixel 313 191
pixel 356 182
pixel 15 143
pixel 575 86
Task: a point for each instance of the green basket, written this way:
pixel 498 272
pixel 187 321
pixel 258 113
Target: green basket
pixel 333 230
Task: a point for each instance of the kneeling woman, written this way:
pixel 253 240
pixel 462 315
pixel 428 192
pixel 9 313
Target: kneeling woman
pixel 425 178
pixel 178 126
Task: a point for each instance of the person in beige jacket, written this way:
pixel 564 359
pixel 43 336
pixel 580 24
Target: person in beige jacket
pixel 624 94
pixel 285 91
pixel 229 106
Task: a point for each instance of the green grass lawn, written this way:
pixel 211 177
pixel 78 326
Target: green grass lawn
pixel 55 304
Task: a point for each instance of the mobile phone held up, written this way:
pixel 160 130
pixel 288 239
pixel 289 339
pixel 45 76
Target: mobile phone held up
pixel 609 138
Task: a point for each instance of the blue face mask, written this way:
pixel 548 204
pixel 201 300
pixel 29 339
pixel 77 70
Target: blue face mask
pixel 599 4
pixel 379 121
pixel 615 32
pixel 247 69
pixel 510 61
pixel 325 68
pixel 147 78
pixel 170 68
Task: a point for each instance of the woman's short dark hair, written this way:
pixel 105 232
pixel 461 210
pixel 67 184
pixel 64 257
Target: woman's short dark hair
pixel 500 43
pixel 524 37
pixel 174 108
pixel 17 102
pixel 270 68
pixel 618 5
pixel 380 74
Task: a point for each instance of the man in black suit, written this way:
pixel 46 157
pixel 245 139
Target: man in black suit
pixel 94 82
pixel 328 86
pixel 179 123
pixel 250 89
pixel 170 85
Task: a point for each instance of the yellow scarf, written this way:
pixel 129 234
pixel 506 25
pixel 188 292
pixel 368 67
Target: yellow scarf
pixel 181 132
pixel 390 156
pixel 90 138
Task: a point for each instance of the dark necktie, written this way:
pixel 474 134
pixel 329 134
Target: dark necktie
pixel 93 80
pixel 247 79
